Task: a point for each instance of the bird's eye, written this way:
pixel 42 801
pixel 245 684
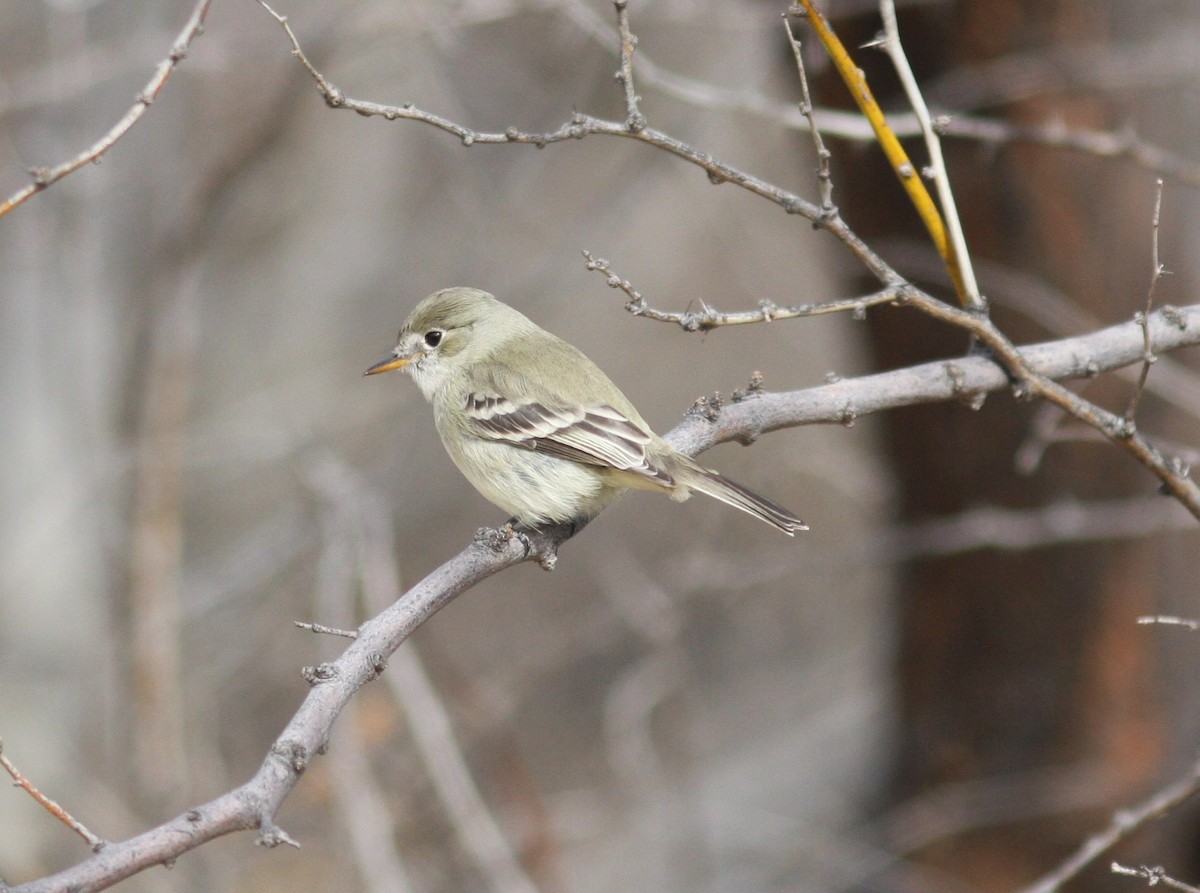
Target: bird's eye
pixel 433 338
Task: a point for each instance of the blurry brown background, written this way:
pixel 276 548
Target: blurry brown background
pixel 190 460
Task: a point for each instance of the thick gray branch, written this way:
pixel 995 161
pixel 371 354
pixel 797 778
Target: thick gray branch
pixel 254 804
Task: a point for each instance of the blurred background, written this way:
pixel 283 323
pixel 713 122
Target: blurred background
pixel 190 460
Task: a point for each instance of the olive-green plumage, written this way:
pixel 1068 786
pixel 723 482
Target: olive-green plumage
pixel 534 424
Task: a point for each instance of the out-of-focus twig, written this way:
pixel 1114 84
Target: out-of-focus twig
pixel 1064 521
pixel 46 176
pixel 365 809
pixel 1167 620
pixel 429 722
pixel 1124 823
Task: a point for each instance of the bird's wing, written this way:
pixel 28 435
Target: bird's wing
pixel 593 435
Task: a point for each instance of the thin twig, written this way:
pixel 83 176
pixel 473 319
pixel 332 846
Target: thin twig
pixel 708 318
pixel 1141 317
pixel 1062 521
pixel 1124 823
pixel 824 174
pixel 634 119
pixel 1167 620
pixel 958 244
pixel 1124 144
pixel 366 811
pixel 905 170
pixel 255 803
pixel 46 176
pixel 96 843
pixel 327 630
pixel 1171 471
pixel 580 126
pixel 1153 875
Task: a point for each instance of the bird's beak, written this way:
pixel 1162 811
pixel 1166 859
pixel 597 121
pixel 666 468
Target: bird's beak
pixel 392 362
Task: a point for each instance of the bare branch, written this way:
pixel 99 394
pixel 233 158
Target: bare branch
pixel 824 175
pixel 1123 824
pixel 1172 472
pixel 1165 620
pixel 255 803
pixel 579 126
pixel 1153 875
pixel 1149 359
pixel 1123 144
pixel 327 630
pixel 634 119
pixel 933 145
pixel 46 176
pixel 1062 521
pixel 708 318
pixel 368 524
pixel 96 843
pixel 906 172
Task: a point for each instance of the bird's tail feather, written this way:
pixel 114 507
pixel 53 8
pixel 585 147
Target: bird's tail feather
pixel 720 487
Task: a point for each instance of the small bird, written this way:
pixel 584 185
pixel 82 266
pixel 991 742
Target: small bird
pixel 535 425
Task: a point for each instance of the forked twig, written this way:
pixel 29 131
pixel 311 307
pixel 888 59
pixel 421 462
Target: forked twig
pixel 958 244
pixel 905 170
